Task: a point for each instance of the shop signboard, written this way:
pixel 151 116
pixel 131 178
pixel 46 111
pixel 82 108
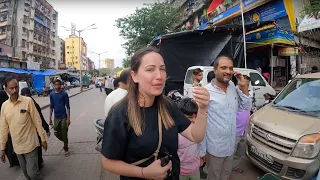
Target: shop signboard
pixel 234 11
pixel 270 11
pixel 271 36
pixel 288 51
pixel 309 23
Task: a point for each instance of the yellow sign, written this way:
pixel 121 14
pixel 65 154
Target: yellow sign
pixel 288 51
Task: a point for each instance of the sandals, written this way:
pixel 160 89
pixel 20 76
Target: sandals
pixel 238 170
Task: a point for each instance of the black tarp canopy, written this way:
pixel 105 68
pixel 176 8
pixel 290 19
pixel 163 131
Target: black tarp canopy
pixel 197 48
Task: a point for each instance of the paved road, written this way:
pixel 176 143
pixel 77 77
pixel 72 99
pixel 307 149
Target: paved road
pixel 84 162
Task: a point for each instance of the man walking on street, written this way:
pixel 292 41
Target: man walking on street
pixel 59 103
pixel 108 85
pixel 19 116
pixel 26 92
pixel 225 99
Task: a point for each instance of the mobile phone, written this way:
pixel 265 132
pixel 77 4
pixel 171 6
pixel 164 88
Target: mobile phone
pixel 234 79
pixel 164 161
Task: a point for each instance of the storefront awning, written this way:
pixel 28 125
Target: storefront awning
pixel 270 36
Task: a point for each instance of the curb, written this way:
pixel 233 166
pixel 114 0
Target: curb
pixel 71 95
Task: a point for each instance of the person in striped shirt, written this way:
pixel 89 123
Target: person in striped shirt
pixel 187 150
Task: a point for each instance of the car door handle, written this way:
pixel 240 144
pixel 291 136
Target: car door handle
pixel 256 88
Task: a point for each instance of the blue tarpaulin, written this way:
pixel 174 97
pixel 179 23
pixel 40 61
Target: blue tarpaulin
pixel 38 83
pixel 49 72
pixel 13 70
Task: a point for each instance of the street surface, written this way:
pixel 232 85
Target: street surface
pixel 84 163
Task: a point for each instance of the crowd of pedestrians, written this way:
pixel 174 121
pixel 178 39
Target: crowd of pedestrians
pixel 143 128
pixel 23 129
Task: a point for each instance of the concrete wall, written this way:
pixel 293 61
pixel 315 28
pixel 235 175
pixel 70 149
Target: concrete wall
pixel 310 60
pixel 5 50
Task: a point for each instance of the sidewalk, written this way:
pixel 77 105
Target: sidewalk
pixel 44 102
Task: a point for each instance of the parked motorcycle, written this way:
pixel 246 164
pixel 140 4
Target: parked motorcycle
pixel 99 126
pixel 175 95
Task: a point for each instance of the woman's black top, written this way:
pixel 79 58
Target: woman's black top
pixel 121 143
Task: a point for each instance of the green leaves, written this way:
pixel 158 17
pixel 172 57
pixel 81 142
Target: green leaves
pixel 313 9
pixel 146 23
pixel 126 62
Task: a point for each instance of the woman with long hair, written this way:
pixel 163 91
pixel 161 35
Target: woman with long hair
pixel 143 127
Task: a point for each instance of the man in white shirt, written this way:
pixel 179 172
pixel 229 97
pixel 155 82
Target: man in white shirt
pixel 118 94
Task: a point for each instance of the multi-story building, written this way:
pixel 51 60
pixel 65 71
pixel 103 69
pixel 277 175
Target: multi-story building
pixel 30 27
pixel 6 59
pixel 73 50
pixel 108 63
pixel 91 66
pixel 61 59
pixel 192 12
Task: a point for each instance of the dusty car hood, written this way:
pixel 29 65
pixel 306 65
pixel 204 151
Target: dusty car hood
pixel 285 123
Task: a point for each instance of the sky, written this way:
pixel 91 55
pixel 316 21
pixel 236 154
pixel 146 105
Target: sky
pixel 103 13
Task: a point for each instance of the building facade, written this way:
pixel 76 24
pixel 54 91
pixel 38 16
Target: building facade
pixel 30 27
pixel 75 53
pixel 108 63
pixel 192 11
pixel 91 65
pixel 274 43
pixel 62 55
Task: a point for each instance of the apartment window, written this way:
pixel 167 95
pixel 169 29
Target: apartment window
pixel 0 49
pixel 24 42
pixel 54 17
pixel 76 57
pixel 24 29
pixel 67 47
pixel 53 43
pixel 2 30
pixel 3 17
pixel 4 6
pixel 24 54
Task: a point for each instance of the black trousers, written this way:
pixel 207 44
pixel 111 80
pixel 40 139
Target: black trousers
pixel 108 90
pixel 11 155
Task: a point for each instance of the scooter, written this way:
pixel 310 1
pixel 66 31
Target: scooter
pixel 99 126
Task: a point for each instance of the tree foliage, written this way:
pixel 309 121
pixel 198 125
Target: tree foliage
pixel 141 27
pixel 105 72
pixel 126 62
pixel 312 9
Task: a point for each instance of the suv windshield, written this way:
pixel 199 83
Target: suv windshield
pixel 301 95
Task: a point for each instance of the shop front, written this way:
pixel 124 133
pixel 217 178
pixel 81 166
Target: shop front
pixel 273 50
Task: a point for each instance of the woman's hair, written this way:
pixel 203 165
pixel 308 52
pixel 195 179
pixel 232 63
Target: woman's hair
pixel 188 107
pixel 135 115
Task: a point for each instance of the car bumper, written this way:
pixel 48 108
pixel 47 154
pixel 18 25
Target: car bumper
pixel 284 166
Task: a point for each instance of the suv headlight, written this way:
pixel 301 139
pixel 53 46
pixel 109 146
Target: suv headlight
pixel 307 147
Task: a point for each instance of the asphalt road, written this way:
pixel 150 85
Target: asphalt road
pixel 84 162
